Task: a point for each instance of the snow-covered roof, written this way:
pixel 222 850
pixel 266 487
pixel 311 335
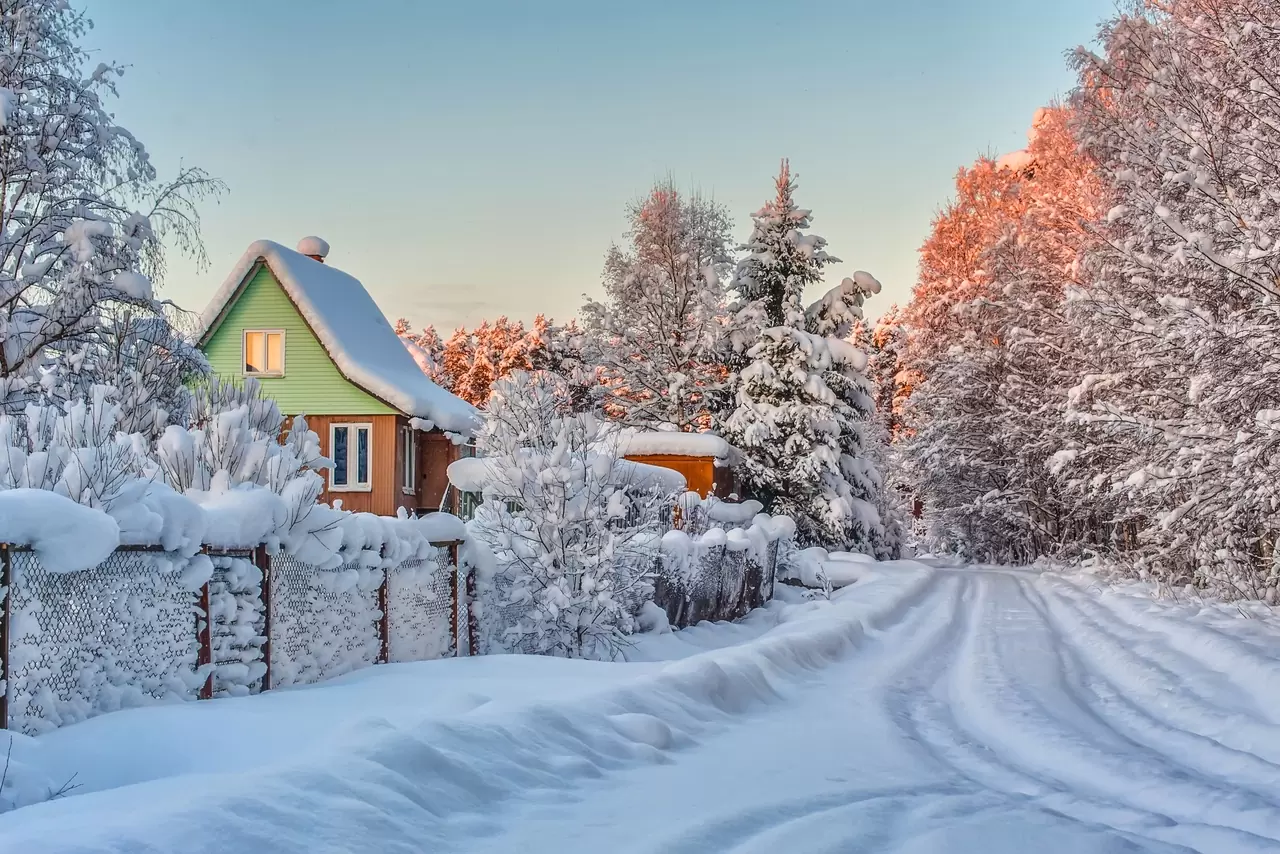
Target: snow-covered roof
pixel 673 443
pixel 471 474
pixel 352 329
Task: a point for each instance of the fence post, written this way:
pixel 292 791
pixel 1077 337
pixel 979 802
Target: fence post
pixel 262 558
pixel 204 638
pixel 6 584
pixel 454 602
pixel 473 624
pixel 384 624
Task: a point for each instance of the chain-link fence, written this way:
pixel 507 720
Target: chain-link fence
pixel 82 642
pixel 144 626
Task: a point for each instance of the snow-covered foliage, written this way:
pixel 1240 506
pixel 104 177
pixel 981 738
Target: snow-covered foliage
pixel 1096 326
pixel 657 334
pixel 82 227
pixel 1180 324
pixel 574 535
pixel 802 403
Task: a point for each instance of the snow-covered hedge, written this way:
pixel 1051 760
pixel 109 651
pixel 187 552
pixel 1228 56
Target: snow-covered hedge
pixel 721 562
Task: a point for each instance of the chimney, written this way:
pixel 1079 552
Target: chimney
pixel 314 248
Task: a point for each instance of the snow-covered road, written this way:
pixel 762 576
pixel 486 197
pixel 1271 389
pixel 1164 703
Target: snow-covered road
pixel 922 710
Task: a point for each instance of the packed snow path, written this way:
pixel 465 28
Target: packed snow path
pixel 922 710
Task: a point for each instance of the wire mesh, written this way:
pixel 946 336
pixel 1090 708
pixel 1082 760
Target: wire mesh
pixel 324 622
pixel 115 635
pixel 419 605
pixel 239 624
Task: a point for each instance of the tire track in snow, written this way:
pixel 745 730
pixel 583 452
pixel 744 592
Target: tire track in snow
pixel 1016 691
pixel 924 703
pixel 1181 646
pixel 1134 696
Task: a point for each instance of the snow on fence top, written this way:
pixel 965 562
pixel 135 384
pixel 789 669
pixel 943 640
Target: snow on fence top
pixel 70 537
pixel 353 330
pixel 675 444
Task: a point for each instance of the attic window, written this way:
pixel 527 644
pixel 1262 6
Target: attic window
pixel 264 352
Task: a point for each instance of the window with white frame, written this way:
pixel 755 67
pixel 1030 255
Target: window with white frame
pixel 351 449
pixel 408 461
pixel 264 352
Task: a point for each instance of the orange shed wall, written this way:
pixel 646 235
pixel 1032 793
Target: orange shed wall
pixel 699 472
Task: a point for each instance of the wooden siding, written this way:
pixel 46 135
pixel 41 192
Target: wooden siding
pixel 701 474
pixel 435 452
pixel 312 383
pixel 384 497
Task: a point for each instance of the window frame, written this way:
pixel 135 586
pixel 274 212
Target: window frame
pixel 244 352
pixel 409 464
pixel 353 459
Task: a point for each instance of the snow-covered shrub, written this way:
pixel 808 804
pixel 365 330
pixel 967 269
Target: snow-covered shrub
pixel 722 563
pixel 573 527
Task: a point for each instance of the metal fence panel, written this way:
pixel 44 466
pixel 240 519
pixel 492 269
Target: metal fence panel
pixel 419 599
pixel 120 634
pixel 324 622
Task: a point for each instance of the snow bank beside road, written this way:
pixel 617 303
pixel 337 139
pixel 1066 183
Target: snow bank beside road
pixel 411 756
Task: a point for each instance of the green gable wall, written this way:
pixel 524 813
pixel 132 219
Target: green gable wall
pixel 312 383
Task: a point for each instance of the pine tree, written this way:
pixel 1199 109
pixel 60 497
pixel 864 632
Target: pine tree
pixel 801 400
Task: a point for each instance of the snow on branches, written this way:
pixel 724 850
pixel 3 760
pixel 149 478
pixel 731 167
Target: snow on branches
pixel 655 337
pixel 802 403
pixel 83 223
pixel 574 530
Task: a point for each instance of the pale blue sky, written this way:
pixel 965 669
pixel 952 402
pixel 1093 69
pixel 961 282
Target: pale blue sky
pixel 473 158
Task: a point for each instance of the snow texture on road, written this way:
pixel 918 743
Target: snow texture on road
pixel 923 709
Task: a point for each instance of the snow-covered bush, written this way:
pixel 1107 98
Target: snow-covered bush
pixel 574 530
pixel 721 562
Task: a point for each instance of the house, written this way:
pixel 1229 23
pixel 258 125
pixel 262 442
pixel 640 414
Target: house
pixel 704 459
pixel 320 346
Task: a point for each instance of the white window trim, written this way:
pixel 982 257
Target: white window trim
pixel 244 352
pixel 409 465
pixel 352 468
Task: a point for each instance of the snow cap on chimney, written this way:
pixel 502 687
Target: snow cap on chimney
pixel 313 247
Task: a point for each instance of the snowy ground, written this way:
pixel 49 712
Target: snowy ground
pixel 921 710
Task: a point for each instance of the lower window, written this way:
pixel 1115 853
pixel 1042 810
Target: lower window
pixel 351 449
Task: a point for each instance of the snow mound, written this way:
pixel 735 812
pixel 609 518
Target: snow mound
pixel 66 536
pixel 313 246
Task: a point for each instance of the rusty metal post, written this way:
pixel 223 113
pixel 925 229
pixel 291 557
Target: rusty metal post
pixel 453 604
pixel 204 638
pixel 384 624
pixel 262 558
pixel 473 624
pixel 6 584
